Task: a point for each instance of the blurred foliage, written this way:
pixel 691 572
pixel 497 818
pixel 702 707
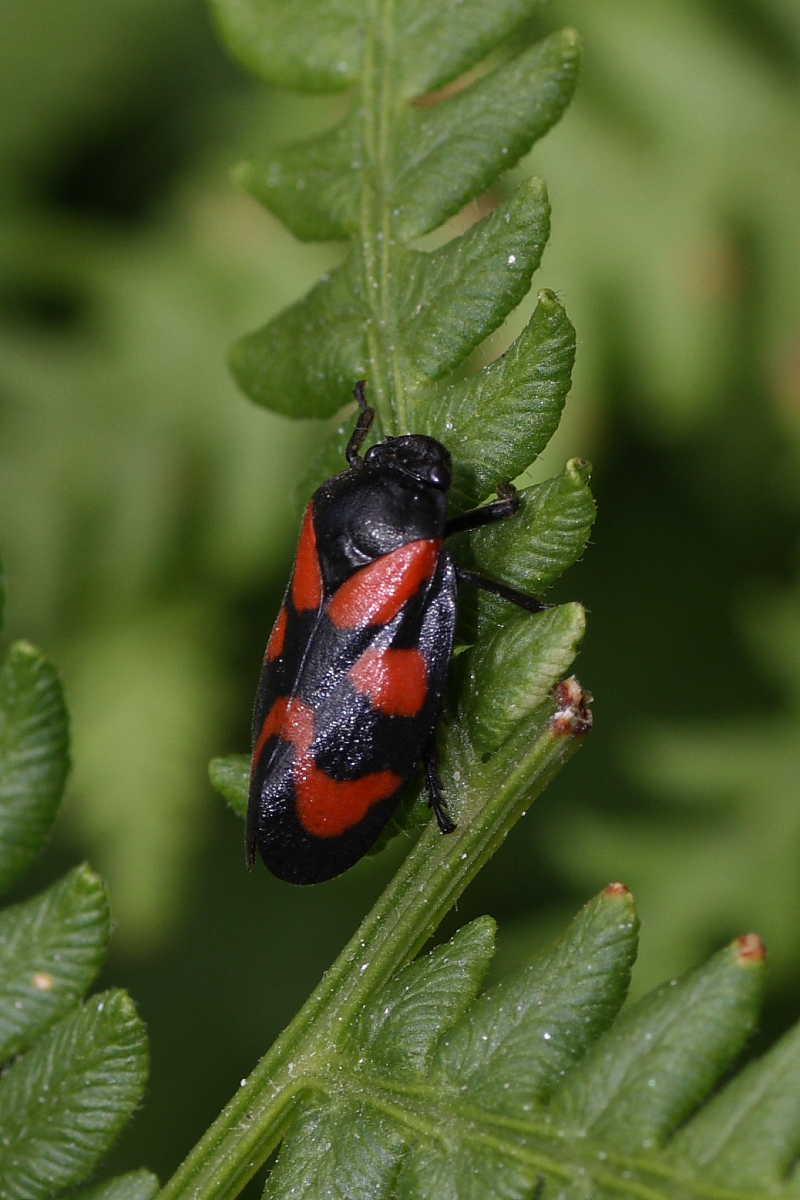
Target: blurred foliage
pixel 155 487
pixel 72 1072
pixel 740 778
pixel 148 517
pixel 681 269
pixel 681 128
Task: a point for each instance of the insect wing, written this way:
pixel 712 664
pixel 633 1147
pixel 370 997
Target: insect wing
pixel 335 743
pixel 285 654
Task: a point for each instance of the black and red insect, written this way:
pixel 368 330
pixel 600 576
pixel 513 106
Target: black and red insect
pixel 355 668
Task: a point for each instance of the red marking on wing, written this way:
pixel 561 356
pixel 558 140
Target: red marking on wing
pixel 291 720
pixel 277 638
pixel 396 681
pixel 327 807
pixel 376 593
pixel 307 578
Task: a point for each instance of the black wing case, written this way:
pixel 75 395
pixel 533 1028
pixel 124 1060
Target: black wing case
pixel 286 652
pixel 343 716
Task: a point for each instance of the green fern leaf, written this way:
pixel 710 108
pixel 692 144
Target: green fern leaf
pixel 80 1070
pixel 230 775
pixel 136 1185
pixel 539 1081
pixel 750 1131
pixel 64 1102
pixel 33 757
pixel 390 171
pixel 510 673
pixel 524 390
pixel 51 948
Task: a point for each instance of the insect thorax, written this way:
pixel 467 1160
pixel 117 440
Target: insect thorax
pixel 369 511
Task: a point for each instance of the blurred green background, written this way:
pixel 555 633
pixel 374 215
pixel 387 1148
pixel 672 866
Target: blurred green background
pixel 149 516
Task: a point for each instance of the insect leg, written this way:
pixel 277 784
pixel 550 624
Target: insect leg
pixel 365 419
pixel 504 590
pixel 435 798
pixel 507 504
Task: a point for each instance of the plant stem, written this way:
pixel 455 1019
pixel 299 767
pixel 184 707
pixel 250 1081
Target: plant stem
pixel 376 234
pixel 432 877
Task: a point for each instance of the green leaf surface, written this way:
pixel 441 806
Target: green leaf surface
pixel 389 171
pixel 750 1131
pixel 434 1090
pixel 445 155
pixel 430 1063
pixel 63 1103
pixel 135 1185
pixel 454 297
pixel 437 42
pixel 273 364
pixel 532 549
pixel 524 390
pixel 51 948
pixel 313 187
pixel 521 1037
pixel 33 757
pixel 230 775
pixel 511 672
pixel 339 1149
pixel 438 159
pixel 400 1027
pixel 480 1171
pixel 271 38
pixel 665 1053
pixel 540 1081
pixel 434 43
pixel 397 1034
pixel 448 300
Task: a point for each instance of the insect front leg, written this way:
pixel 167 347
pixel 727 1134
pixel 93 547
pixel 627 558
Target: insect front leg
pixel 435 798
pixel 505 506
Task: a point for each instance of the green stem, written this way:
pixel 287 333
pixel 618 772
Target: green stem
pixel 430 880
pixel 376 234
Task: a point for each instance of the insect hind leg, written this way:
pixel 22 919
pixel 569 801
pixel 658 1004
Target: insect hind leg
pixel 365 418
pixel 435 798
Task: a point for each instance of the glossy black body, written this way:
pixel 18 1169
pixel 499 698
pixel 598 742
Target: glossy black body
pixel 395 496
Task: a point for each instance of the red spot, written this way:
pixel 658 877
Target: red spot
pixel 396 681
pixel 617 889
pixel 573 716
pixel 376 593
pixel 291 720
pixel 307 578
pixel 277 638
pixel 327 807
pixel 750 948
